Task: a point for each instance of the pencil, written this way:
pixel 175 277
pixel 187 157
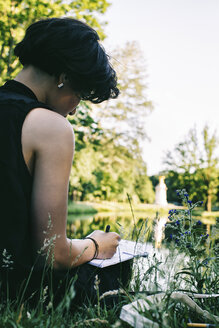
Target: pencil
pixel 199 325
pixel 107 228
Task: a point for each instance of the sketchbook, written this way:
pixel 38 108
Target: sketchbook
pixel 126 250
pixel 133 313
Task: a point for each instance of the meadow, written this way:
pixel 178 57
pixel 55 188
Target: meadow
pixel 186 262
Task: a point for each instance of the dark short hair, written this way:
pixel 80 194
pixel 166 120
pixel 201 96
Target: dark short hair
pixel 65 45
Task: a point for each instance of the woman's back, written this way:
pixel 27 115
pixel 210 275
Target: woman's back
pixel 16 101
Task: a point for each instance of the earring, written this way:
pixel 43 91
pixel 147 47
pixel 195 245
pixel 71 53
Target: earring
pixel 60 85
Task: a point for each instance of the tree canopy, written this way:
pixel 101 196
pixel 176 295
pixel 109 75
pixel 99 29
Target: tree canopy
pixel 16 16
pixel 124 118
pixel 195 167
pixel 108 162
pixel 110 165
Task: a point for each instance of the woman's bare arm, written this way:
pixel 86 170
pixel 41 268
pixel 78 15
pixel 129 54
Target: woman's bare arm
pixel 50 137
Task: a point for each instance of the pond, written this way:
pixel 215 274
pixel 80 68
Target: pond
pixel 140 226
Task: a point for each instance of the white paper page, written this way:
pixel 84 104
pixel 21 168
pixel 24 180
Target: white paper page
pixel 125 251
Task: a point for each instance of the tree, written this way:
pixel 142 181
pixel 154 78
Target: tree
pixel 87 130
pixel 123 173
pixel 16 16
pixel 108 138
pixel 209 171
pixel 108 171
pixel 195 168
pixel 107 161
pixel 124 118
pixel 143 185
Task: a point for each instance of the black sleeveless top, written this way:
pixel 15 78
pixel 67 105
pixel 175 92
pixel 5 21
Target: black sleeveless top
pixel 16 101
pixel 18 275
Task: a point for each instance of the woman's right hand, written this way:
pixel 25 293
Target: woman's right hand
pixel 107 242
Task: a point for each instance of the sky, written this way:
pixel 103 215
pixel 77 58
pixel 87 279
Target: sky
pixel 180 43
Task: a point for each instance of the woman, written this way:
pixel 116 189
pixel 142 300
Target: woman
pixel 63 63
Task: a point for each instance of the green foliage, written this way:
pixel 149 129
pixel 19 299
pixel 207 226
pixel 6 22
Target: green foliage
pixel 124 118
pixel 174 268
pixel 108 171
pixel 16 16
pixel 188 234
pixel 87 130
pixel 108 162
pixel 194 167
pixel 143 186
pixel 80 208
pixel 190 265
pixel 190 238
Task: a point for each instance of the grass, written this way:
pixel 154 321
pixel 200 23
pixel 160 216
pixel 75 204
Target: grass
pixel 189 262
pixel 81 208
pixel 107 206
pixel 115 207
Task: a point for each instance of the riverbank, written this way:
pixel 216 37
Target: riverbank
pixel 106 206
pixel 77 208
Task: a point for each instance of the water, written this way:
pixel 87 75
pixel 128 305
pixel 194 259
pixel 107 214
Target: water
pixel 143 227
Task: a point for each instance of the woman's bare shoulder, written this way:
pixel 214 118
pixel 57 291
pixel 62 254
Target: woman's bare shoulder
pixel 45 118
pixel 45 126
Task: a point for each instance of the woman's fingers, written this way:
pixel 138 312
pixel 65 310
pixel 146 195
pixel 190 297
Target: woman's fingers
pixel 107 242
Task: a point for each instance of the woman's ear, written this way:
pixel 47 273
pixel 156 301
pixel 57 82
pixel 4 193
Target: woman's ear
pixel 62 78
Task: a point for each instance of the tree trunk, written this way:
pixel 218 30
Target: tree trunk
pixel 71 197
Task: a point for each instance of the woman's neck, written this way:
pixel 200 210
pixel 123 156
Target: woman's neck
pixel 36 80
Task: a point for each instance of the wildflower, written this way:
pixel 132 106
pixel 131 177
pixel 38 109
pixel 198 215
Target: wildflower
pixel 171 236
pixel 177 240
pixel 96 283
pixel 174 211
pixel 112 292
pixel 186 232
pixel 199 222
pixel 45 294
pixel 49 306
pixel 190 202
pixel 186 195
pixel 201 202
pixel 177 222
pixel 7 260
pixel 206 237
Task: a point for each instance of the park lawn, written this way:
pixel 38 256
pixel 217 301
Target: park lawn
pixel 107 206
pixel 81 208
